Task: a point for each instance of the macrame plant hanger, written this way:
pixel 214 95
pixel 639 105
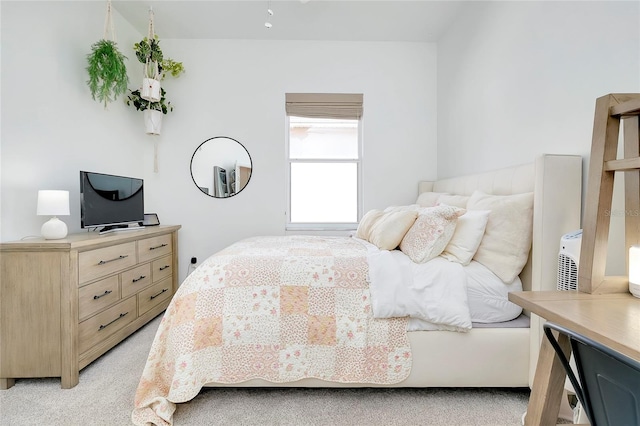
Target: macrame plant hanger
pixel 151 78
pixel 108 25
pixel 155 156
pixel 151 90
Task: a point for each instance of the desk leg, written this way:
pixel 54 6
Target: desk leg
pixel 548 385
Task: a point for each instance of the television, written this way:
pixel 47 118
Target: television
pixel 110 202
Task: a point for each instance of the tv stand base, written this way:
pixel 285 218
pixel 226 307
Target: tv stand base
pixel 118 228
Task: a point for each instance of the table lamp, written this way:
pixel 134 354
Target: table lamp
pixel 53 203
pixel 634 270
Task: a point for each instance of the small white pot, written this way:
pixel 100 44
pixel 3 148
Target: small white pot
pixel 150 90
pixel 152 121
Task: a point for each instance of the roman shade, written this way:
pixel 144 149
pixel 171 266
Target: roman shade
pixel 324 105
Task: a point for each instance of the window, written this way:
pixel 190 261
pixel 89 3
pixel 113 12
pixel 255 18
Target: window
pixel 324 167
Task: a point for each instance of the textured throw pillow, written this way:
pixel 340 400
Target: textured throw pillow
pixel 428 199
pixel 504 249
pixel 430 233
pixel 366 223
pixel 388 230
pixel 454 200
pixel 467 237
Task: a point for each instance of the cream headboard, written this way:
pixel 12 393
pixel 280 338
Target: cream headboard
pixel 556 181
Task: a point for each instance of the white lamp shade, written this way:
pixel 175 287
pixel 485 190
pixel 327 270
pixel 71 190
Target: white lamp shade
pixel 53 203
pixel 634 270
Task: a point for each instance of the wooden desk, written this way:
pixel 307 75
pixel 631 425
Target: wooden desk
pixel 611 319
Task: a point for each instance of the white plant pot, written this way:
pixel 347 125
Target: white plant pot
pixel 152 121
pixel 150 90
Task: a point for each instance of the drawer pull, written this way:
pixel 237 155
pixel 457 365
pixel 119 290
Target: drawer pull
pixel 103 294
pixel 135 280
pixel 163 290
pixel 162 268
pixel 102 327
pixel 102 262
pixel 157 247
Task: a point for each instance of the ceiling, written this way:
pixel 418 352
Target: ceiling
pixel 346 20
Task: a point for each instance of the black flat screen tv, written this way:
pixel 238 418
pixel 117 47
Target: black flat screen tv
pixel 110 202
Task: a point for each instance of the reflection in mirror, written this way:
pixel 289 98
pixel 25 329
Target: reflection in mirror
pixel 221 167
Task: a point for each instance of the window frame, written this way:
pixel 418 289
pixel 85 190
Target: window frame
pixel 323 226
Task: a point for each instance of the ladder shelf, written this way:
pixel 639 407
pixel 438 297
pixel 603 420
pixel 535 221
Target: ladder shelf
pixel 611 111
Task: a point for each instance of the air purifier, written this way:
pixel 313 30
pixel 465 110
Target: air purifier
pixel 568 260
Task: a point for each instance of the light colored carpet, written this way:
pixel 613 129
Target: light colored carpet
pixel 105 393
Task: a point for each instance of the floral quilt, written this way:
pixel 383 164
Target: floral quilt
pixel 274 308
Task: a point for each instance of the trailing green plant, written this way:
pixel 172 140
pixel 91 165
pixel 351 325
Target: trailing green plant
pixel 169 66
pixel 142 104
pixel 107 71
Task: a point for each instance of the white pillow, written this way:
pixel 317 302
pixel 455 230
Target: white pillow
pixel 504 249
pixel 367 222
pixel 430 233
pixel 467 236
pixel 454 200
pixel 429 199
pixel 389 229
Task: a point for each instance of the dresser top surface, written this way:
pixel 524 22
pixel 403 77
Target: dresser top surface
pixel 88 239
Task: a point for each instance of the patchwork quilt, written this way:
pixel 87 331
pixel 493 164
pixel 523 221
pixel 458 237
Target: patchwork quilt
pixel 274 308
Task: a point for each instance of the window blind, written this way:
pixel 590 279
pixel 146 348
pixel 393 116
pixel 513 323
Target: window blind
pixel 324 105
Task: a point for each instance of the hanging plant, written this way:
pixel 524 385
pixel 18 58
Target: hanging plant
pixel 134 98
pixel 153 111
pixel 107 72
pixel 106 67
pixel 150 98
pixel 149 53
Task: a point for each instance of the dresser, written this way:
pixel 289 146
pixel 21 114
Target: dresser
pixel 64 303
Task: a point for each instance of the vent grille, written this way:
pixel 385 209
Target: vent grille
pixel 567 273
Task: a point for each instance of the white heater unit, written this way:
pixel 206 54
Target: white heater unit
pixel 568 260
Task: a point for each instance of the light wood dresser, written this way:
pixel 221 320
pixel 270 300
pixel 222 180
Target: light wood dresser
pixel 64 303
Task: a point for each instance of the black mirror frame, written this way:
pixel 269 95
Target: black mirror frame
pixel 196 151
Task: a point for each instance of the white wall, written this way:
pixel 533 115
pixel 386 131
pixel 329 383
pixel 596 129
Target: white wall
pixel 230 88
pixel 518 79
pixel 236 89
pixel 51 127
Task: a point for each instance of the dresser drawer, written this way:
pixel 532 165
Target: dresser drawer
pixel 98 295
pixel 101 326
pixel 135 279
pixel 151 248
pixel 98 263
pixel 154 295
pixel 162 268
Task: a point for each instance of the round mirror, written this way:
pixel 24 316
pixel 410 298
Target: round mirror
pixel 221 167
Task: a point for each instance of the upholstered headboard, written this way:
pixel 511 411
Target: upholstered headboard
pixel 556 181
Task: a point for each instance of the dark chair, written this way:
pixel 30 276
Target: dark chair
pixel 609 382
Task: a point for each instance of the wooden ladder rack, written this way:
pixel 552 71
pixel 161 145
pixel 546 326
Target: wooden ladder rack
pixel 611 111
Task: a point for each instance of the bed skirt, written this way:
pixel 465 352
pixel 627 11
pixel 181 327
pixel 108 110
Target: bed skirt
pixel 482 357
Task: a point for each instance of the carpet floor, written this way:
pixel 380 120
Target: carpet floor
pixel 105 394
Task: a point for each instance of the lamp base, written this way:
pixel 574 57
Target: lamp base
pixel 54 229
pixel 634 289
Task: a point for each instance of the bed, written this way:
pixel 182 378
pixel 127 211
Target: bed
pixel 348 347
